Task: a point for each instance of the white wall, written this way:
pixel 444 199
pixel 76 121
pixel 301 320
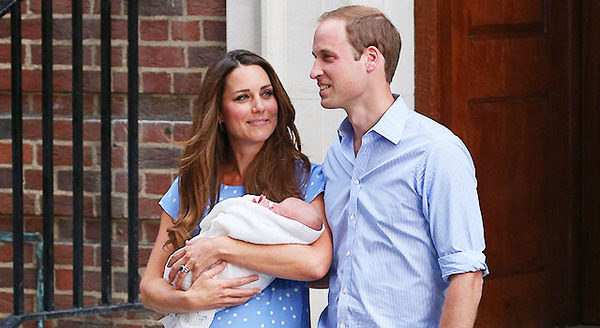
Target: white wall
pixel 282 32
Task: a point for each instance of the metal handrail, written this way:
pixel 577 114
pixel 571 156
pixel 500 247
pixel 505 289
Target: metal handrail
pixel 46 241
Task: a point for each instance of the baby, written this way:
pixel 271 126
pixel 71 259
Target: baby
pixel 294 209
pixel 253 219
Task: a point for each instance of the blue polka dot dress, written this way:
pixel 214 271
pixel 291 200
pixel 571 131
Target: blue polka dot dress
pixel 284 303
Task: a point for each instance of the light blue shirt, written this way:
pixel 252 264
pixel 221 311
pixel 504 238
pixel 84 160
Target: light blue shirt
pixel 405 215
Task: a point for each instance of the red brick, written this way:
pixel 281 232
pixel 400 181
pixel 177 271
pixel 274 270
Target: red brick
pixel 157 183
pixel 119 82
pixel 152 107
pixel 33 179
pixel 187 83
pixel 64 279
pixel 62 29
pixel 63 105
pixel 118 55
pixel 161 56
pixel 32 80
pixel 118 157
pixel 5 82
pixel 185 31
pixel 117 206
pixel 181 131
pixel 5 54
pixel 92 280
pixel 157 132
pixel 120 182
pixel 91 81
pixel 32 128
pixel 119 131
pixel 63 155
pixel 29 202
pixel 149 208
pixel 63 205
pixel 5 27
pixel 31 28
pixel 206 7
pixel 118 105
pixel 161 7
pixel 120 282
pixel 154 30
pixel 6 104
pixel 214 31
pixel 91 130
pixel 204 56
pixel 6 304
pixel 63 80
pixel 5 177
pixel 63 302
pixel 119 29
pixel 120 233
pixel 6 153
pixel 144 254
pixel 91 180
pixel 63 130
pixel 118 256
pixel 118 7
pixel 34 224
pixel 159 157
pixel 6 252
pixel 91 232
pixel 156 82
pixel 91 28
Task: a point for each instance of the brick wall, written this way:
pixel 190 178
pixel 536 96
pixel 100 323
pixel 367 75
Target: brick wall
pixel 177 41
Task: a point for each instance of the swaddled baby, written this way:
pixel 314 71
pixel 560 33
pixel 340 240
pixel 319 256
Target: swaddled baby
pixel 253 219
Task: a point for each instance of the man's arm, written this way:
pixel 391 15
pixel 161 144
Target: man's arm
pixel 462 300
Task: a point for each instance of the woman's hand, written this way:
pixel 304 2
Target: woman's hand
pixel 208 293
pixel 198 255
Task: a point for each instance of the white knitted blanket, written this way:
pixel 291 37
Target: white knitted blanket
pixel 240 218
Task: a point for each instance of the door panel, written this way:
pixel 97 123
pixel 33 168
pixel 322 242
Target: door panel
pixel 502 75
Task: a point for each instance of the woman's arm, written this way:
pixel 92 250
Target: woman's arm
pixel 205 293
pixel 290 261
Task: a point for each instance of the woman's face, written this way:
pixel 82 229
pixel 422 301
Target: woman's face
pixel 249 108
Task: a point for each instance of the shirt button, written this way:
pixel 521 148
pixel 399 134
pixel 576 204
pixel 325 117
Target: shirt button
pixel 351 217
pixel 345 290
pixel 356 182
pixel 348 253
pixel 342 325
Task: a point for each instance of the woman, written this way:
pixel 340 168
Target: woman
pixel 243 140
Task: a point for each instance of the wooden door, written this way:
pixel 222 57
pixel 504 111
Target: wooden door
pixel 502 74
pixel 591 162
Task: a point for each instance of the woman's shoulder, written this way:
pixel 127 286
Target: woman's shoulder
pixel 315 182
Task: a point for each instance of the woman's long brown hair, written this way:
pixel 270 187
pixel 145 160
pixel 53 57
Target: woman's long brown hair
pixel 278 170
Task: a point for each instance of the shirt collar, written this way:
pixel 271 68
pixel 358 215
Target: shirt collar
pixel 390 125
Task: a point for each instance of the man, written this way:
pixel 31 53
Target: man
pixel 400 198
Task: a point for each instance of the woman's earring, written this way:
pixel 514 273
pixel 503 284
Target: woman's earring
pixel 220 126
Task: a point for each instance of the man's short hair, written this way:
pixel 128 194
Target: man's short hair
pixel 366 27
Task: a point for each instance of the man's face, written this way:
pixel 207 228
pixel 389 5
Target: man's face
pixel 339 75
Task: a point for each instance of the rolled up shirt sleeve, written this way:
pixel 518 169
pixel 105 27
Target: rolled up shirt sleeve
pixel 451 205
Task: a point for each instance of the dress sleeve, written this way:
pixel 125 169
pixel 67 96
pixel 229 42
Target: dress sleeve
pixel 315 184
pixel 170 200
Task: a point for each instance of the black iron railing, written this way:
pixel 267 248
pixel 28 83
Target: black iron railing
pixel 47 310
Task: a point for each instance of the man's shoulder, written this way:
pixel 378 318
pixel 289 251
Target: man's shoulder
pixel 429 130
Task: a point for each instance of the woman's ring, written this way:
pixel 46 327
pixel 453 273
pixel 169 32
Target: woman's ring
pixel 183 268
